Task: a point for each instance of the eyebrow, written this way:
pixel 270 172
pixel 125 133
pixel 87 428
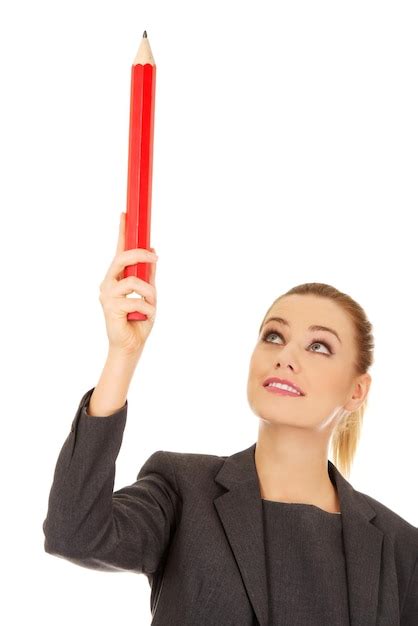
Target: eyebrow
pixel 313 327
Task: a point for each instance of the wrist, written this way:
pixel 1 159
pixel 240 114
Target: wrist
pixel 122 357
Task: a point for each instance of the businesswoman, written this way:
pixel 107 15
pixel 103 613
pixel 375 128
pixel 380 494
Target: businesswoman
pixel 273 534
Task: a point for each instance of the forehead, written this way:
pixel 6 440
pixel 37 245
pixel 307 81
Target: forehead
pixel 302 311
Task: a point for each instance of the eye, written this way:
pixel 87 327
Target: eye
pixel 315 341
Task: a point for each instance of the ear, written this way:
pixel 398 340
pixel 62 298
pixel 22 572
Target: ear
pixel 360 393
pixel 366 381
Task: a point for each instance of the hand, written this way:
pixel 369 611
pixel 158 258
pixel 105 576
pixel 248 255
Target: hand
pixel 128 337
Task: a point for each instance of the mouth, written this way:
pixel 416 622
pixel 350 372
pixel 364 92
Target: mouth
pixel 282 386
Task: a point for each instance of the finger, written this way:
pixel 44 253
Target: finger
pixel 153 267
pixel 135 285
pixel 125 259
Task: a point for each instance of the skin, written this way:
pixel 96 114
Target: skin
pixel 294 433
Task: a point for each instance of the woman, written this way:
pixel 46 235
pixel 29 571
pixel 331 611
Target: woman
pixel 273 534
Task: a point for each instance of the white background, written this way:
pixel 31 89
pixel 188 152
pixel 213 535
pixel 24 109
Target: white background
pixel 285 151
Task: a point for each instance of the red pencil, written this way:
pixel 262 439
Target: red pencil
pixel 140 158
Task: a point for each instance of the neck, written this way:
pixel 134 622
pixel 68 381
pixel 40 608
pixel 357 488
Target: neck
pixel 292 466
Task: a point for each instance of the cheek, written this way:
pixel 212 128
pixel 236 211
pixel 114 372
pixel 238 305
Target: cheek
pixel 254 374
pixel 333 380
pixel 256 371
pixel 255 362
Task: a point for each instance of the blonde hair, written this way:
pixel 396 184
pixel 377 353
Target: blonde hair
pixel 346 435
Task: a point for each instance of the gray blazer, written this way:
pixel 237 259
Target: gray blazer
pixel 192 523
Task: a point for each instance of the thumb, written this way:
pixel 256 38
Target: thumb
pixel 121 237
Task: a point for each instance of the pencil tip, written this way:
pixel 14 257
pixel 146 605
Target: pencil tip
pixel 145 34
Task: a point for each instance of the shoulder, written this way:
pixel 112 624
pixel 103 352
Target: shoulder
pixel 185 468
pixel 401 531
pixel 192 462
pixel 195 470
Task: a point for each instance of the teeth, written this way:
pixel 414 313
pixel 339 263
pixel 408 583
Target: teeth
pixel 286 387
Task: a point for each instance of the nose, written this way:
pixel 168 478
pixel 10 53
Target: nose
pixel 281 364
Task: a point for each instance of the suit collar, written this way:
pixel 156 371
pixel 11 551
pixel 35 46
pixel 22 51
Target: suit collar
pixel 240 511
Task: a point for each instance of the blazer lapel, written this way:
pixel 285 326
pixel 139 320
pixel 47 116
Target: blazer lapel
pixel 240 511
pixel 241 514
pixel 364 551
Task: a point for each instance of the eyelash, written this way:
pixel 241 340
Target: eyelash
pixel 324 343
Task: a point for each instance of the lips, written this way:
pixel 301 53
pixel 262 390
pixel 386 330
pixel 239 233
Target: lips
pixel 283 381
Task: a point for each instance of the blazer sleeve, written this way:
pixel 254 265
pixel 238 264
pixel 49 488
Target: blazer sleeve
pixel 92 526
pixel 409 614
